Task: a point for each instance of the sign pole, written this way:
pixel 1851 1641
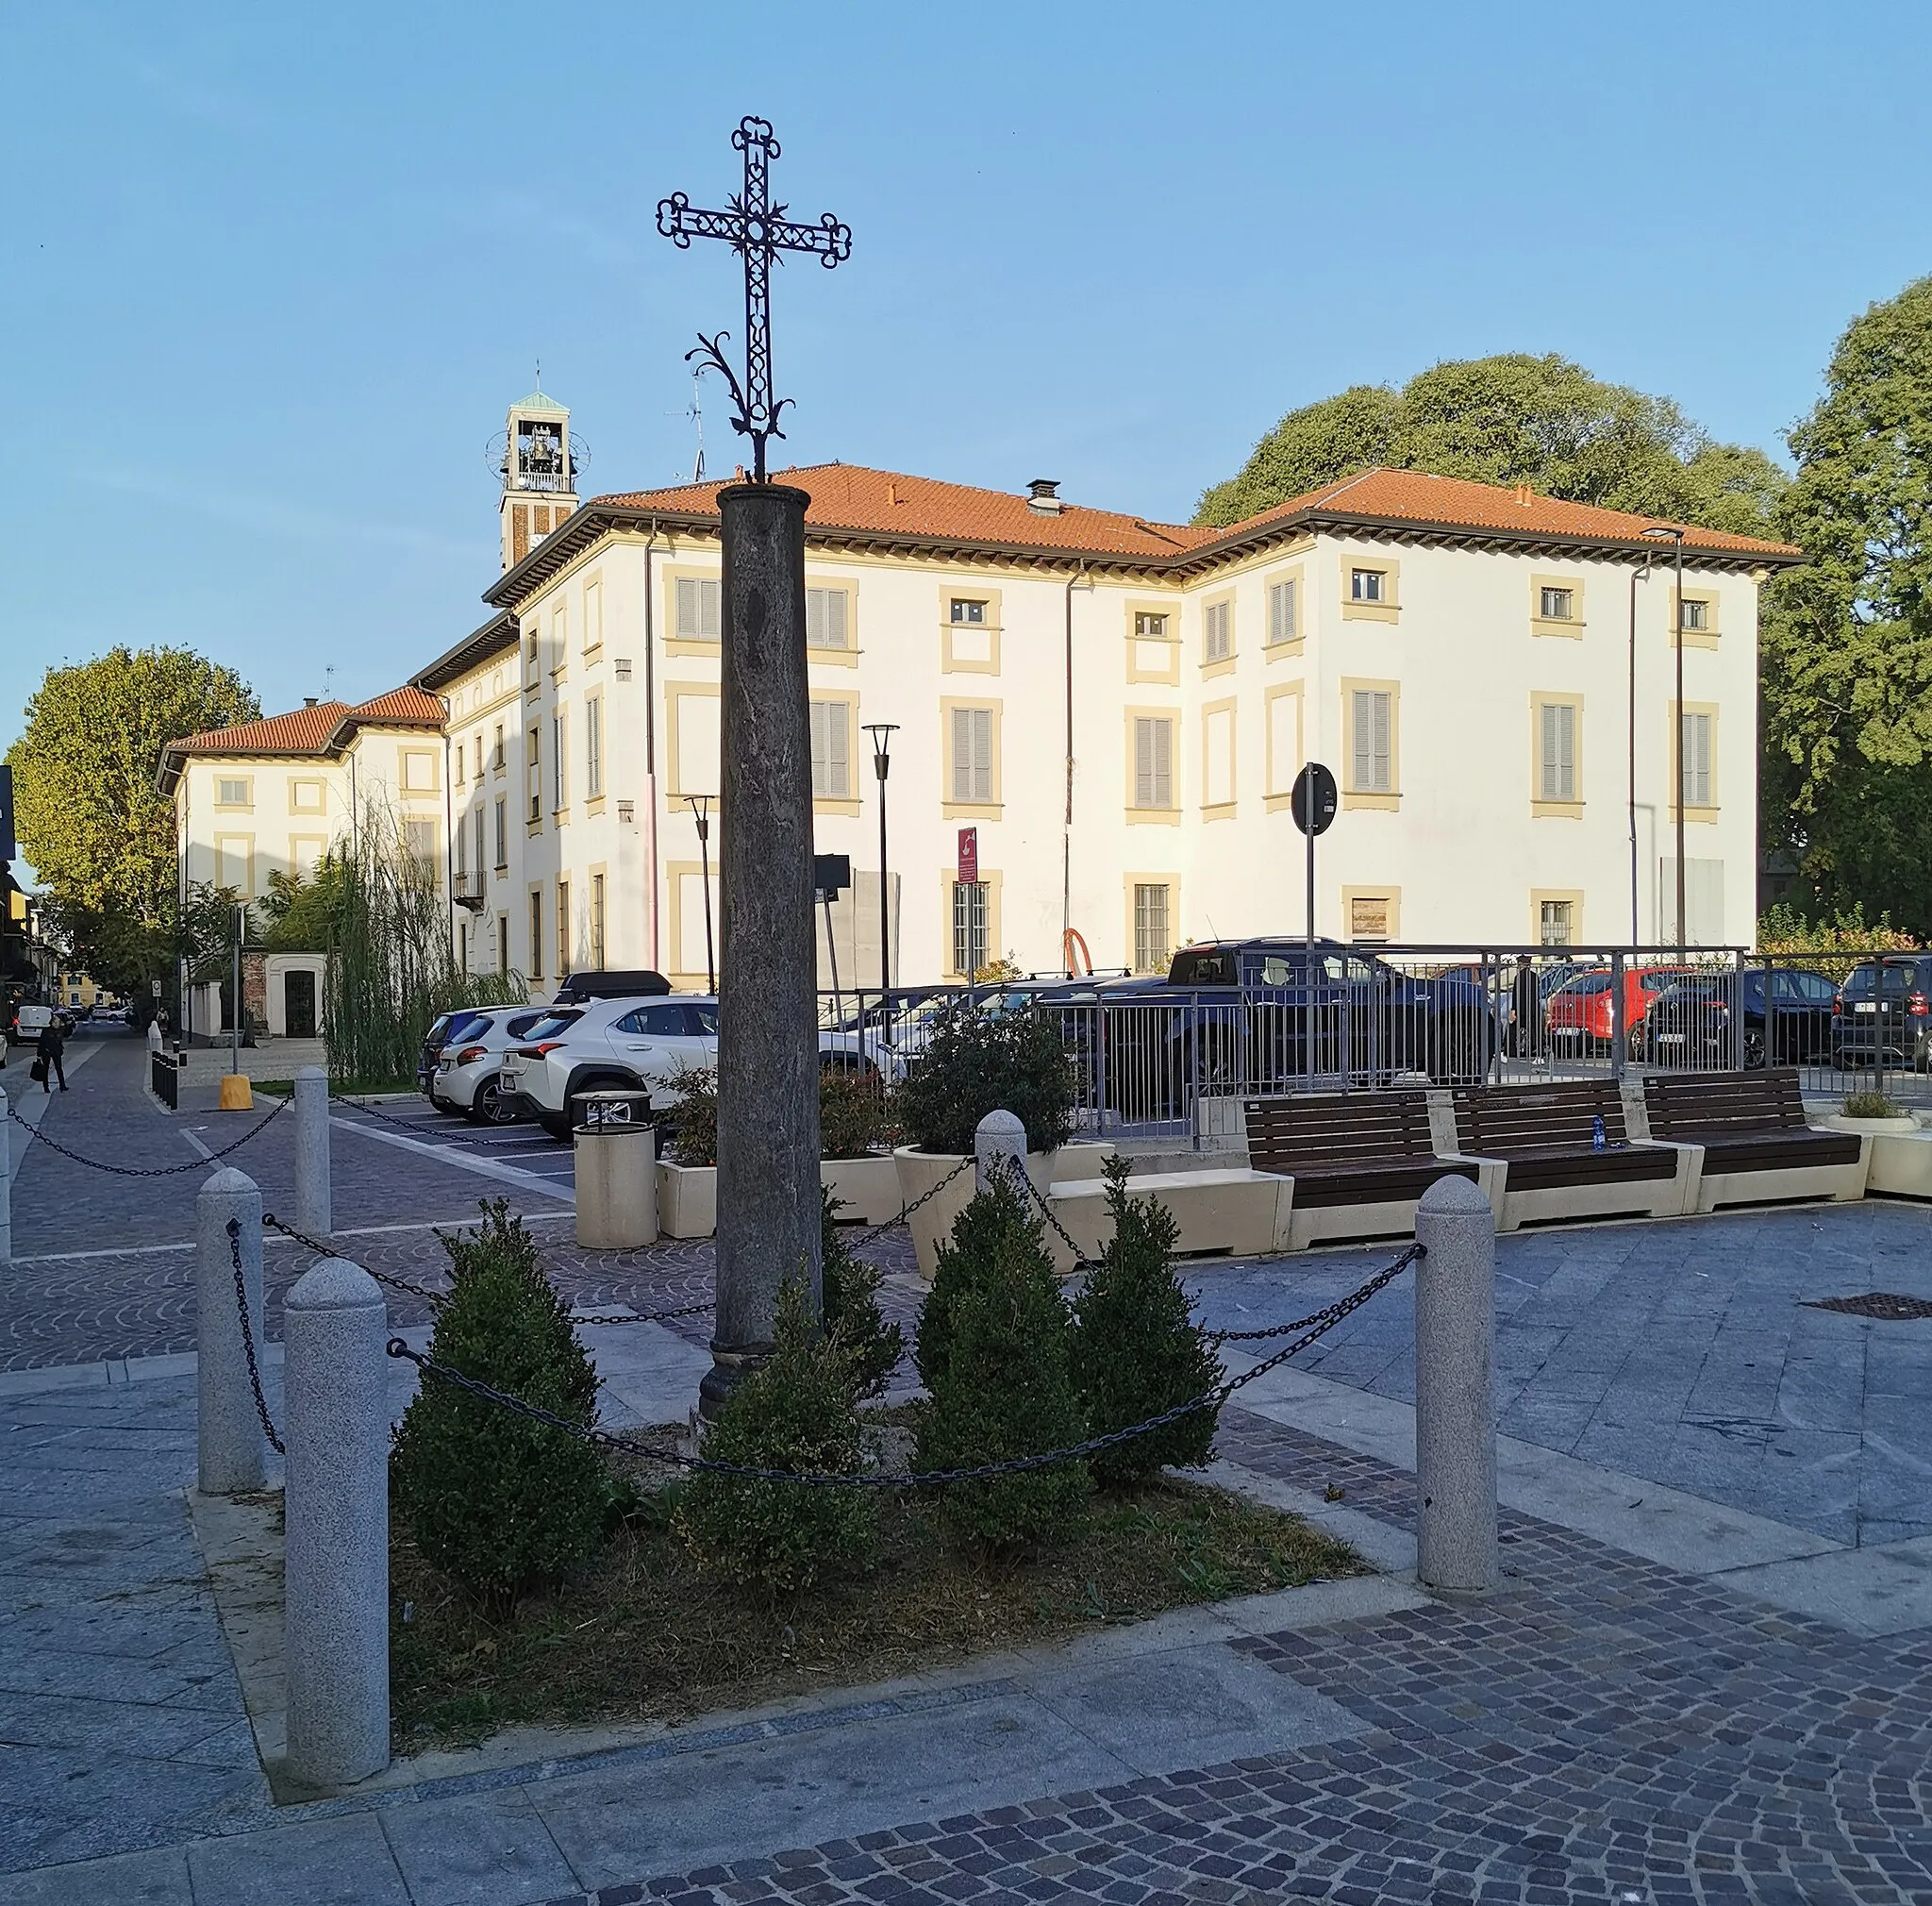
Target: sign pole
pixel 1312 804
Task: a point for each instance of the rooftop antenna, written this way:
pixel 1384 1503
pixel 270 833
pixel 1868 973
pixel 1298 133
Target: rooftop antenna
pixel 696 413
pixel 328 682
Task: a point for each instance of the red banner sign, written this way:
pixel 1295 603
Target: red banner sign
pixel 969 856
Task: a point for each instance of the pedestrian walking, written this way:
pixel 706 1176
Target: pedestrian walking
pixel 47 1057
pixel 1527 996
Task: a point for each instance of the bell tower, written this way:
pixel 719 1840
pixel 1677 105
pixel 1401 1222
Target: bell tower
pixel 539 472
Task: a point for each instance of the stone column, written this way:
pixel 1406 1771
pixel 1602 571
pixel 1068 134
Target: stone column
pixel 768 1089
pixel 334 1570
pixel 1455 1395
pixel 999 1146
pixel 230 1459
pixel 312 1196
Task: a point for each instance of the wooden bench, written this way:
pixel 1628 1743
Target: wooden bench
pixel 1359 1160
pixel 1546 1136
pixel 1758 1145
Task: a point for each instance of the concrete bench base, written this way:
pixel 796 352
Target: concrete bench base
pixel 1900 1166
pixel 1396 1217
pixel 1841 1183
pixel 1658 1197
pixel 1240 1214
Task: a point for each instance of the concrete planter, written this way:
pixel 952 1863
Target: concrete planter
pixel 1903 1125
pixel 919 1171
pixel 867 1188
pixel 1899 1164
pixel 686 1200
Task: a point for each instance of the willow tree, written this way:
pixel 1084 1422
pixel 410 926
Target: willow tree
pixel 390 970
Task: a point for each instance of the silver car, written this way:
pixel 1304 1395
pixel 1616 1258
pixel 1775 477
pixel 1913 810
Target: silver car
pixel 468 1070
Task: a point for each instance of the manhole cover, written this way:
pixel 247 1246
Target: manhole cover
pixel 1886 1305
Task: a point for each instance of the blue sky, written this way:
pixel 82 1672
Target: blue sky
pixel 270 274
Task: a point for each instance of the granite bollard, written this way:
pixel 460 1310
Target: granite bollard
pixel 1455 1394
pixel 230 1444
pixel 335 1569
pixel 999 1146
pixel 313 1202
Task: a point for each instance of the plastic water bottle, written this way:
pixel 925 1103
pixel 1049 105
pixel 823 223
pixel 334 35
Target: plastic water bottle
pixel 1597 1140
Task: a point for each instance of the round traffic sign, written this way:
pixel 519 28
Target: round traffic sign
pixel 1313 800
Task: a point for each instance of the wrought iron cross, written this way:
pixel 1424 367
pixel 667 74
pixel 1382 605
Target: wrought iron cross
pixel 758 232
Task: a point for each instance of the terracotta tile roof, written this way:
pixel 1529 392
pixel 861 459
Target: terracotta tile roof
pixel 301 731
pixel 849 496
pixel 1415 496
pixel 399 708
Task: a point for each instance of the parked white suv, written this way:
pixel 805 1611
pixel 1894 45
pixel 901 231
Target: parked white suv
pixel 468 1070
pixel 625 1044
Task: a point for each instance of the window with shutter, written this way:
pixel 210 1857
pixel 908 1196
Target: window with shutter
pixel 824 618
pixel 1281 607
pixel 1217 631
pixel 1559 751
pixel 831 771
pixel 698 604
pixel 1153 942
pixel 1153 761
pixel 972 753
pixel 593 746
pixel 1371 759
pixel 1695 746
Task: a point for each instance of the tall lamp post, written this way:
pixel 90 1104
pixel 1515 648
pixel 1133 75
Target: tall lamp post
pixel 1661 530
pixel 700 806
pixel 882 733
pixel 1637 576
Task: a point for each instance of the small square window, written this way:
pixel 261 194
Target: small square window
pixel 1558 605
pixel 970 609
pixel 1150 627
pixel 1368 916
pixel 1553 922
pixel 1367 585
pixel 1693 614
pixel 231 793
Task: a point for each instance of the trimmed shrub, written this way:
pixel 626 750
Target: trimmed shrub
pixel 694 1117
pixel 496 1500
pixel 993 1349
pixel 856 1118
pixel 793 1412
pixel 977 1062
pixel 849 1306
pixel 1137 1350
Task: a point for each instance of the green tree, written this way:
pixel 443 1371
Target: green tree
pixel 1512 419
pixel 1847 639
pixel 98 832
pixel 302 916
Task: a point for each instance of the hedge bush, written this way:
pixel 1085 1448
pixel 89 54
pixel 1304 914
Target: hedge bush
pixel 498 1501
pixel 855 1117
pixel 1137 1349
pixel 994 1351
pixel 977 1062
pixel 849 1306
pixel 795 1412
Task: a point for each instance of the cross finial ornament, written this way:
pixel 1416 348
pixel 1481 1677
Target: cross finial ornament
pixel 758 232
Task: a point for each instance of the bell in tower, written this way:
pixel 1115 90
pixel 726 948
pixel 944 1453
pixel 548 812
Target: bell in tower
pixel 539 467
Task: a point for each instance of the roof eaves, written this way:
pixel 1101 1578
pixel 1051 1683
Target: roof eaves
pixel 491 638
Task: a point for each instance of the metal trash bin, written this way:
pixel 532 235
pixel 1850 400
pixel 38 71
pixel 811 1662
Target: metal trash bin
pixel 616 1147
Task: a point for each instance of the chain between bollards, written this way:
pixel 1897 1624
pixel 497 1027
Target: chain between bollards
pixel 268 1428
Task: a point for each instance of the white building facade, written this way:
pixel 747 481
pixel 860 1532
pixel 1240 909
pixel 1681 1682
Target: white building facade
pixel 1120 709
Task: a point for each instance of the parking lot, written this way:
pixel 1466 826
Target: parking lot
pixel 526 1146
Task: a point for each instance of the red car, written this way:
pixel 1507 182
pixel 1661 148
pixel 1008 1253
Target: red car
pixel 1578 1013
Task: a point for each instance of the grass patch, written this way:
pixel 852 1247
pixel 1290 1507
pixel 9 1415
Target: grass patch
pixel 641 1636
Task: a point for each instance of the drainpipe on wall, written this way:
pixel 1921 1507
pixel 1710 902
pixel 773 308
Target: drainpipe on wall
pixel 449 871
pixel 650 817
pixel 1067 818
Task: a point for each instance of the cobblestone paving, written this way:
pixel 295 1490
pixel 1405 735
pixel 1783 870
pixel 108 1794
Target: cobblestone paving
pixel 1602 1730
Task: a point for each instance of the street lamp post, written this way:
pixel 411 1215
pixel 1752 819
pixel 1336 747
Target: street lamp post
pixel 882 733
pixel 700 806
pixel 1676 533
pixel 1637 576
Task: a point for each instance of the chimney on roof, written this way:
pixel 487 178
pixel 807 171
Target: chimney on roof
pixel 1043 496
pixel 1524 494
pixel 309 701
